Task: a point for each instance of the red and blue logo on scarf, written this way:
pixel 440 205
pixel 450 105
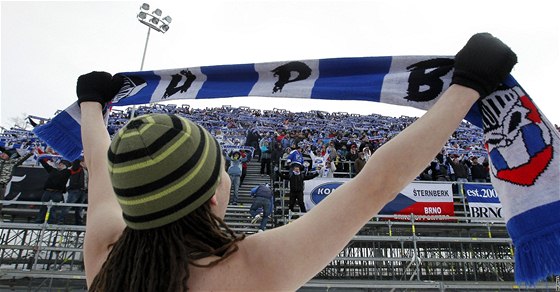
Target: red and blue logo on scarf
pixel 515 125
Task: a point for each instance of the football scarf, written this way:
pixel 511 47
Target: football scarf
pixel 522 144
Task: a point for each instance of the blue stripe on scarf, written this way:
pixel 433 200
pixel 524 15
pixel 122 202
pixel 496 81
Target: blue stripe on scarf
pixel 64 132
pixel 354 78
pixel 533 135
pixel 536 234
pixel 228 80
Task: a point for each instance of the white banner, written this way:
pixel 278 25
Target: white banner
pixel 430 200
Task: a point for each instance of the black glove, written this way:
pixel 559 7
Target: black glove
pixel 98 86
pixel 483 63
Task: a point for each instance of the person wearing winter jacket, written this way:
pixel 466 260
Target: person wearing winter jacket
pixel 54 188
pixel 265 156
pixel 235 169
pixel 77 191
pixel 263 197
pixel 296 178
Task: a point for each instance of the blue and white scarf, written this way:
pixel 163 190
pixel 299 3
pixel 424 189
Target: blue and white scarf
pixel 522 144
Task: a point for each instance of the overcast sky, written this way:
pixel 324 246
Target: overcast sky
pixel 47 45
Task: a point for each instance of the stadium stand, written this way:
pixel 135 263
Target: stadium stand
pixel 389 253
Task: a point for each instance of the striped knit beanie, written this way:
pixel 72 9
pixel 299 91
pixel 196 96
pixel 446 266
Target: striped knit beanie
pixel 162 168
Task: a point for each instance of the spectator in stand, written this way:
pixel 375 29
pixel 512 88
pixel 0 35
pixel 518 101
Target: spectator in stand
pixel 459 169
pixel 331 150
pixel 54 188
pixel 346 165
pixel 295 157
pixel 364 141
pixel 438 171
pixel 352 156
pixel 317 161
pixel 330 169
pixel 319 145
pixel 234 172
pixel 253 138
pixel 236 142
pixel 426 174
pixel 343 152
pixel 360 162
pixel 486 164
pixel 280 135
pixel 339 166
pixel 367 152
pixel 478 172
pixel 322 165
pixel 296 177
pixel 263 198
pixel 265 156
pixel 275 157
pixel 7 164
pixel 352 141
pixel 353 153
pixel 323 150
pixel 286 152
pixel 77 191
pixel 276 154
pixel 245 159
pixel 286 141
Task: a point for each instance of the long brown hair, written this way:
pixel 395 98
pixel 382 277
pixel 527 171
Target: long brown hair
pixel 158 259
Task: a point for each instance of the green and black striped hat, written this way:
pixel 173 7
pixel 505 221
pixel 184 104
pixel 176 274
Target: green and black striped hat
pixel 162 168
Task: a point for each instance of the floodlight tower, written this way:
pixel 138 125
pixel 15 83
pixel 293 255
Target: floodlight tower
pixel 153 20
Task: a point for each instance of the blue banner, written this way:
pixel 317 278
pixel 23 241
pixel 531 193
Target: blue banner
pixel 483 201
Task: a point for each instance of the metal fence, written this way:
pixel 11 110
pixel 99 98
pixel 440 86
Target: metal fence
pixel 460 254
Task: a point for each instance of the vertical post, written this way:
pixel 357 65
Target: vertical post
pixel 133 113
pixel 416 251
pixel 461 192
pixel 145 48
pixel 38 247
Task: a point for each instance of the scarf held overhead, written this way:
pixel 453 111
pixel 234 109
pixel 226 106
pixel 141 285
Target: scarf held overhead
pixel 522 144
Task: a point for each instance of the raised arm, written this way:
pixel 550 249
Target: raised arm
pixel 23 159
pixel 46 165
pixel 104 220
pixel 285 258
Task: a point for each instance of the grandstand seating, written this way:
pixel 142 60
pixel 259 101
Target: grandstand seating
pixel 386 255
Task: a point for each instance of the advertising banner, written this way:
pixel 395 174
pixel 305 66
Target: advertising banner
pixel 427 200
pixel 319 188
pixel 483 201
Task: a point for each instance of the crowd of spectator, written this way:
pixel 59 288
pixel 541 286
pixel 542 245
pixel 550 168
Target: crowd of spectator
pixel 332 144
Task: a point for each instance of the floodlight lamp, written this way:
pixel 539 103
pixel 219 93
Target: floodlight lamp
pixel 167 19
pixel 142 15
pixel 154 20
pixel 157 12
pixel 145 6
pixel 164 27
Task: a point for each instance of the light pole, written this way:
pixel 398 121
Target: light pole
pixel 154 21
